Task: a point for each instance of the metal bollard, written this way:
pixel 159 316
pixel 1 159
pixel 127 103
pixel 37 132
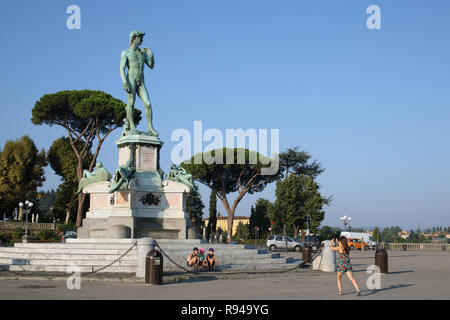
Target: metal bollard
pixel 154 268
pixel 381 260
pixel 144 246
pixel 405 247
pixel 306 254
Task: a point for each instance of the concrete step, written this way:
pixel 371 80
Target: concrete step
pixel 216 249
pixel 52 256
pixel 93 254
pixel 106 241
pixel 237 267
pixel 262 267
pixel 256 258
pixel 65 250
pixel 67 262
pixel 123 246
pixel 49 268
pixel 40 262
pixel 73 246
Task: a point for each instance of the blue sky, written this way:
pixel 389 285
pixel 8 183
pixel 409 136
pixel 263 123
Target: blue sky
pixel 373 106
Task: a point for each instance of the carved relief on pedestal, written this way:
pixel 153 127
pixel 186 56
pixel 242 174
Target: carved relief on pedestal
pixel 148 200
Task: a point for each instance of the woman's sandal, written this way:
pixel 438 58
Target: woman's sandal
pixel 358 293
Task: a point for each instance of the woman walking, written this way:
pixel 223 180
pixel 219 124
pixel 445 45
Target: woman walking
pixel 343 265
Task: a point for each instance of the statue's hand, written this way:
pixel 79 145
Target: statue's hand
pixel 148 51
pixel 126 87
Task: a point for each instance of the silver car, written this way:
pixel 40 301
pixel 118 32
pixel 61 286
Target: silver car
pixel 275 242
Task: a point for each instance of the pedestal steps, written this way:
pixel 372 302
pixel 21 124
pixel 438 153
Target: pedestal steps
pixel 93 254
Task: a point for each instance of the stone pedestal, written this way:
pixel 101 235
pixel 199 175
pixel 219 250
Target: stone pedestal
pixel 148 207
pixel 326 261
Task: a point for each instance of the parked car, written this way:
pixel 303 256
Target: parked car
pixel 275 242
pixel 365 236
pixel 357 244
pixel 69 234
pixel 311 241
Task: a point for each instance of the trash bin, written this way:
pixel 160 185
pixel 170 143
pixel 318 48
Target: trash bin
pixel 306 254
pixel 444 247
pixel 381 260
pixel 405 247
pixel 154 268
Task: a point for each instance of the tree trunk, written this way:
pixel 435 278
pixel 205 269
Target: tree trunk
pixel 230 217
pixel 67 216
pixel 296 228
pixel 81 199
pixel 20 213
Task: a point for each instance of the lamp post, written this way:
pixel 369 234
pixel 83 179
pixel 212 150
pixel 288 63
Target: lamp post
pixel 28 205
pixel 346 221
pixel 308 223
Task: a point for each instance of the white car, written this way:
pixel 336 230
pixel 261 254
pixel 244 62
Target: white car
pixel 279 242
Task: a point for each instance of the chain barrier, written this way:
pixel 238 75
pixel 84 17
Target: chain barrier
pixel 65 274
pixel 318 251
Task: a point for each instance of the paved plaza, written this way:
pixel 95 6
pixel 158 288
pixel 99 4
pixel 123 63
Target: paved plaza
pixel 412 275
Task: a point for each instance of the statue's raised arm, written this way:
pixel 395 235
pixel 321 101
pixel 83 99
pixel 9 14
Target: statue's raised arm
pixel 149 59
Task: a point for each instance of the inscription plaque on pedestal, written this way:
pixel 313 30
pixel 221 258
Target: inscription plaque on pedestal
pixel 146 158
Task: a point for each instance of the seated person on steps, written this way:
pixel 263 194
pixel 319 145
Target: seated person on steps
pixel 211 260
pixel 201 258
pixel 193 259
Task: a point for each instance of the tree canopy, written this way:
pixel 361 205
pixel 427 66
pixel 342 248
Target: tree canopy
pixel 89 117
pixel 234 170
pixel 64 162
pixel 299 203
pixel 259 217
pixel 194 206
pixel 212 222
pixel 298 162
pixel 21 172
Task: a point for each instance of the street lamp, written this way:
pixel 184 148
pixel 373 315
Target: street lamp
pixel 28 205
pixel 346 221
pixel 308 223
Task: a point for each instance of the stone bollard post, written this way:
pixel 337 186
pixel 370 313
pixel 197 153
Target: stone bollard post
pixel 144 246
pixel 326 261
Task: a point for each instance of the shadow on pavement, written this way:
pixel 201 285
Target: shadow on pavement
pixel 204 278
pixel 397 272
pixel 388 288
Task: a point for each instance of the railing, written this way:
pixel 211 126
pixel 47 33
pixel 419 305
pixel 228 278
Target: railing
pixel 416 246
pixel 31 226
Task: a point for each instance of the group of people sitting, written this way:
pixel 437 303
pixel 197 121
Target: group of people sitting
pixel 198 259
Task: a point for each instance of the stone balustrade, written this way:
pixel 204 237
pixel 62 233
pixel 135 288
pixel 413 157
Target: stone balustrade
pixel 31 226
pixel 416 246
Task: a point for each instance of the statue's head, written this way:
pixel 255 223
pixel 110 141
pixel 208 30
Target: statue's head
pixel 136 34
